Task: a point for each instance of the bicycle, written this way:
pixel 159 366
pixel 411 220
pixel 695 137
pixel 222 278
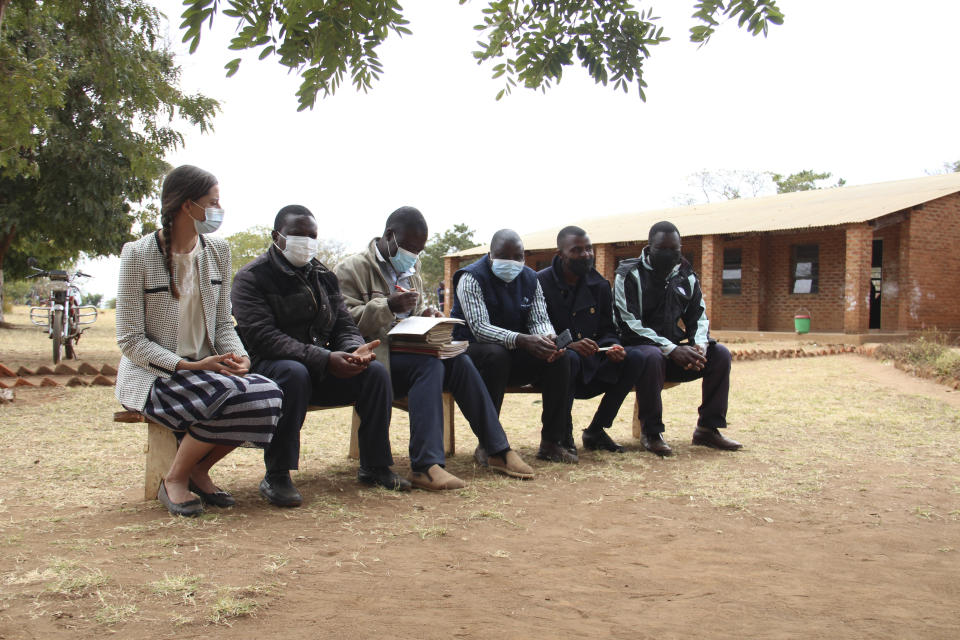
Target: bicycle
pixel 63 315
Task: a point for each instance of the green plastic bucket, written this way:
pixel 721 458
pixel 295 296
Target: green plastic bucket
pixel 801 322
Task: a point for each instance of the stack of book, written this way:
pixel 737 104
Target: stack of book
pixel 428 336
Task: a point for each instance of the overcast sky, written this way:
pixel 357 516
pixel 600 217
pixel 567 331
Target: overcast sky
pixel 865 89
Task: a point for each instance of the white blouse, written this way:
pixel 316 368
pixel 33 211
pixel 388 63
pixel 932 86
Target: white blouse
pixel 192 342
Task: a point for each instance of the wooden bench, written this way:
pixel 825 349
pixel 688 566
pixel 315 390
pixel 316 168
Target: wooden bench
pixel 162 443
pixel 637 422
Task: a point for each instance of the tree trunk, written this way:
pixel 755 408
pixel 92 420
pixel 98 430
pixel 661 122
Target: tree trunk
pixel 5 241
pixel 3 10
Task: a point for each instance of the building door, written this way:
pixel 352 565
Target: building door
pixel 876 282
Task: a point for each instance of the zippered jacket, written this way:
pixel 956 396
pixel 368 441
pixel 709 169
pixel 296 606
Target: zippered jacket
pixel 285 313
pixel 662 313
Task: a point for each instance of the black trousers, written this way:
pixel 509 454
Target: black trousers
pixel 369 391
pixel 658 368
pixel 501 367
pixel 613 379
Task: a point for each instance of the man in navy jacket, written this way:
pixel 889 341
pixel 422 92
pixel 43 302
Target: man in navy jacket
pixel 511 338
pixel 579 299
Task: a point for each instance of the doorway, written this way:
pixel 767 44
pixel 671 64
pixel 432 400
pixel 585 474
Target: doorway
pixel 876 282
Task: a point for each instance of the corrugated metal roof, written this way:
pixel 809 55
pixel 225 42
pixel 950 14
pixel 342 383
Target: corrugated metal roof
pixel 800 210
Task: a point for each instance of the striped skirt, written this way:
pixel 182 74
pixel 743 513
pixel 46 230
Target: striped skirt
pixel 217 408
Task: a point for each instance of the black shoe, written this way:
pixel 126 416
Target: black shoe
pixel 219 498
pixel 190 508
pixel 278 489
pixel 569 444
pixel 556 453
pixel 599 440
pixel 654 443
pixel 709 437
pixel 383 477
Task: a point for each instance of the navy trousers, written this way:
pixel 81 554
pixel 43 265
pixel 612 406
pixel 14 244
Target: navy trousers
pixel 613 379
pixel 500 367
pixel 715 388
pixel 369 391
pixel 423 379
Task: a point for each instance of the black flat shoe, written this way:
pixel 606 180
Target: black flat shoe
pixel 189 509
pixel 599 440
pixel 279 491
pixel 218 498
pixel 383 477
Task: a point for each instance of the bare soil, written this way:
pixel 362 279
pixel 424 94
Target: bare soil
pixel 840 518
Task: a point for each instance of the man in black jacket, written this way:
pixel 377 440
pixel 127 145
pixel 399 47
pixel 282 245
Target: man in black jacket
pixel 298 332
pixel 659 308
pixel 579 300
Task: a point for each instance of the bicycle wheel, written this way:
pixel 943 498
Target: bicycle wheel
pixel 56 327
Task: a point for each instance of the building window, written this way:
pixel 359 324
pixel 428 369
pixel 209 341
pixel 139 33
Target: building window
pixel 732 271
pixel 805 263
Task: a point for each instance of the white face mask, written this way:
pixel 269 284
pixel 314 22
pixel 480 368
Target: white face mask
pixel 299 249
pixel 212 219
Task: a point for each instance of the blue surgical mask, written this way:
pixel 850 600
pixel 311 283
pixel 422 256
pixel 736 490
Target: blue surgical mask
pixel 506 270
pixel 213 217
pixel 402 260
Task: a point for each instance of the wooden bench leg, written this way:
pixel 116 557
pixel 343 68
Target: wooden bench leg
pixel 161 450
pixel 354 437
pixel 637 422
pixel 449 442
pixel 449 411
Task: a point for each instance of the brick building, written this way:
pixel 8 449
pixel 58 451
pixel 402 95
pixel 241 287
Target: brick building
pixel 882 256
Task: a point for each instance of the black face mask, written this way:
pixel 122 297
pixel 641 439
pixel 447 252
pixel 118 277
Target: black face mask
pixel 579 266
pixel 664 260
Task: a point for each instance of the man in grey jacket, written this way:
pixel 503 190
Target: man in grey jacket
pixel 383 285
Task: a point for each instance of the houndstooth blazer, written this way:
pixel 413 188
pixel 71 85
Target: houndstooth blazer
pixel 148 317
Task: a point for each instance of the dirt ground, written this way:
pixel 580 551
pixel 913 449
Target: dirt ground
pixel 840 518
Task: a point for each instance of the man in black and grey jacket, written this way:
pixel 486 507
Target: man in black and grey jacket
pixel 294 323
pixel 660 310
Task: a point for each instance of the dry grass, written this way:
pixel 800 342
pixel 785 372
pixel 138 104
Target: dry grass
pixel 71 484
pixel 932 354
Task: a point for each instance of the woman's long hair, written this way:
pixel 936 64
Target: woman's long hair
pixel 183 183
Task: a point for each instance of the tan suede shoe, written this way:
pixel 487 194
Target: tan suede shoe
pixel 436 478
pixel 511 464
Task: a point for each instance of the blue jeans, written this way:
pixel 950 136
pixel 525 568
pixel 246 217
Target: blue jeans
pixel 423 379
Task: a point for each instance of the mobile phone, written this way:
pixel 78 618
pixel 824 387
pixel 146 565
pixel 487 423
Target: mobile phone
pixel 563 339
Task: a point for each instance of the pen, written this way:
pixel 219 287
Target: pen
pixel 402 290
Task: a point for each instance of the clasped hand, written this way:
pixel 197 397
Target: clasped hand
pixel 689 358
pixel 227 363
pixel 346 365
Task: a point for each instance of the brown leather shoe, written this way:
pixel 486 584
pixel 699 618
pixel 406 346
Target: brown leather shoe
pixel 654 443
pixel 436 478
pixel 510 464
pixel 709 437
pixel 555 452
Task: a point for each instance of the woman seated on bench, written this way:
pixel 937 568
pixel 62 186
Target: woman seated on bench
pixel 183 365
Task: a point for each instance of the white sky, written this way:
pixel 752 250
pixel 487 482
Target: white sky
pixel 865 89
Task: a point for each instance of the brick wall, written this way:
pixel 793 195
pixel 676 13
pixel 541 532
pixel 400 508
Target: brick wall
pixel 739 311
pixel 929 288
pixel 779 304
